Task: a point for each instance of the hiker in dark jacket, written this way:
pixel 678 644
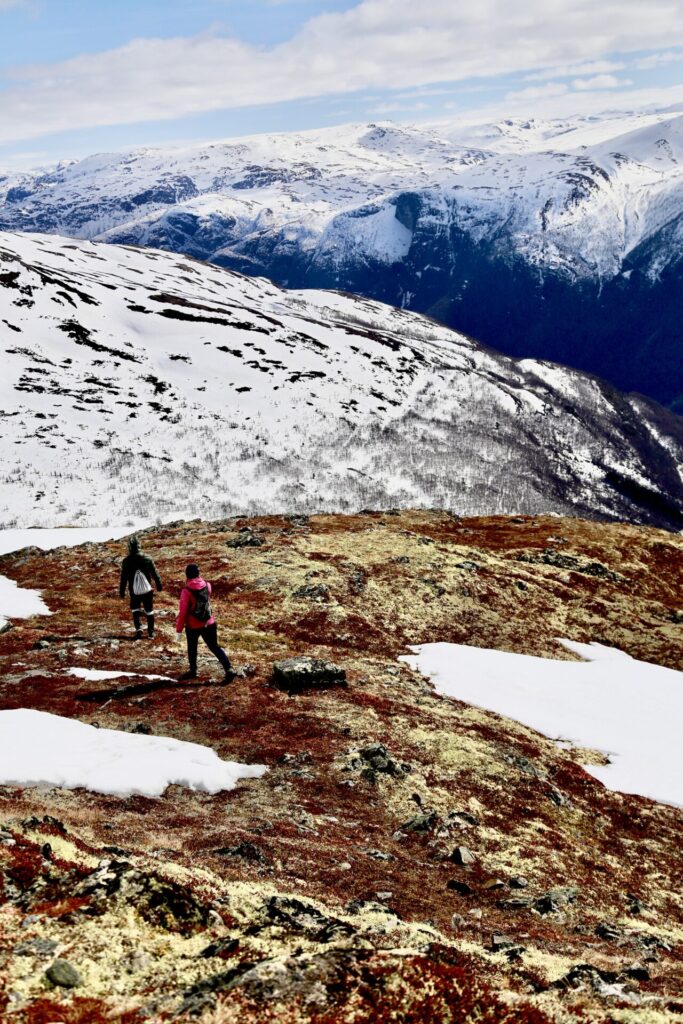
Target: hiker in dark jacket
pixel 137 573
pixel 197 619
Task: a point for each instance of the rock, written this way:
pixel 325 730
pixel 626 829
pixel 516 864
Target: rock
pixel 63 974
pixel 549 556
pixel 379 760
pixel 296 674
pixel 462 888
pixel 298 520
pixel 461 855
pixel 246 538
pixel 499 942
pixel 518 882
pixel 357 581
pixel 141 728
pixel 223 948
pixel 467 566
pixel 296 916
pixel 638 972
pixel 493 884
pixel 607 931
pixel 525 765
pixel 420 823
pixel 558 798
pixel 313 592
pixel 458 921
pixel 515 903
pixel 245 851
pixel 163 904
pixel 460 819
pixel 554 900
pixel 379 855
pixel 36 947
pixel 582 975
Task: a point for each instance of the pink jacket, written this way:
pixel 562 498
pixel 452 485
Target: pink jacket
pixel 185 616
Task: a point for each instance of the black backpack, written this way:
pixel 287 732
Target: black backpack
pixel 202 606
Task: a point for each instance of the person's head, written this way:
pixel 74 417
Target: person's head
pixel 192 571
pixel 133 546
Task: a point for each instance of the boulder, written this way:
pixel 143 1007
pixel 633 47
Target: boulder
pixel 420 823
pixel 63 974
pixel 296 674
pixel 313 592
pixel 245 539
pixel 461 855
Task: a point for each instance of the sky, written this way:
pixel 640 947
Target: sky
pixel 86 76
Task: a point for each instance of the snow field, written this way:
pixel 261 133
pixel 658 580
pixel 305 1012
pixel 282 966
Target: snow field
pixel 630 710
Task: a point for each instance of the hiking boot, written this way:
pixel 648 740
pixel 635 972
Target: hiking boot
pixel 187 675
pixel 138 634
pixel 230 675
pixel 150 634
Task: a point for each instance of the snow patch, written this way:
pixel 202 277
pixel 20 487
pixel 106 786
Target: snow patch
pixel 39 749
pixel 97 674
pixel 16 603
pixel 631 710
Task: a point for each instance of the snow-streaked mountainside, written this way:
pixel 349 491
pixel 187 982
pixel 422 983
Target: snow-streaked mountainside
pixel 560 240
pixel 140 384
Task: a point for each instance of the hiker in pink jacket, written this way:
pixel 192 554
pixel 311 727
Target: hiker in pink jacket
pixel 197 619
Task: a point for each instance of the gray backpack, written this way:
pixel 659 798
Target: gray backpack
pixel 141 584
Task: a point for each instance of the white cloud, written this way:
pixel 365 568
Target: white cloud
pixel 395 108
pixel 537 92
pixel 378 44
pixel 593 67
pixel 600 82
pixel 656 60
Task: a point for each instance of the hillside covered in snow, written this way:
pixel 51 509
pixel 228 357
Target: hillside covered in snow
pixel 559 240
pixel 140 385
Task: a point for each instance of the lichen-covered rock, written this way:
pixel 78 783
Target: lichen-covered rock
pixel 246 538
pixel 63 974
pixel 297 674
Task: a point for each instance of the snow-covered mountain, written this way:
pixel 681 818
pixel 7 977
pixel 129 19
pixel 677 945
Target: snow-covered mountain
pixel 137 383
pixel 560 239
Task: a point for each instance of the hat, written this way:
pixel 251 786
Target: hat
pixel 192 571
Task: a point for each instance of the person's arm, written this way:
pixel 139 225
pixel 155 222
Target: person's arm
pixel 123 580
pixel 183 609
pixel 155 575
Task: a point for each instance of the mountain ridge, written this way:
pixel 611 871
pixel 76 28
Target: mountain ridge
pixel 558 240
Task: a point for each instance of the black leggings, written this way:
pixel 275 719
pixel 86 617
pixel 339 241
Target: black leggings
pixel 209 635
pixel 143 604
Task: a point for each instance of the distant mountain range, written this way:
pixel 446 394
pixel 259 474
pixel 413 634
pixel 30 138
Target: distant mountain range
pixel 560 240
pixel 140 384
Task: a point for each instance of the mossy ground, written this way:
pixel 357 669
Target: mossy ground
pixel 325 833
